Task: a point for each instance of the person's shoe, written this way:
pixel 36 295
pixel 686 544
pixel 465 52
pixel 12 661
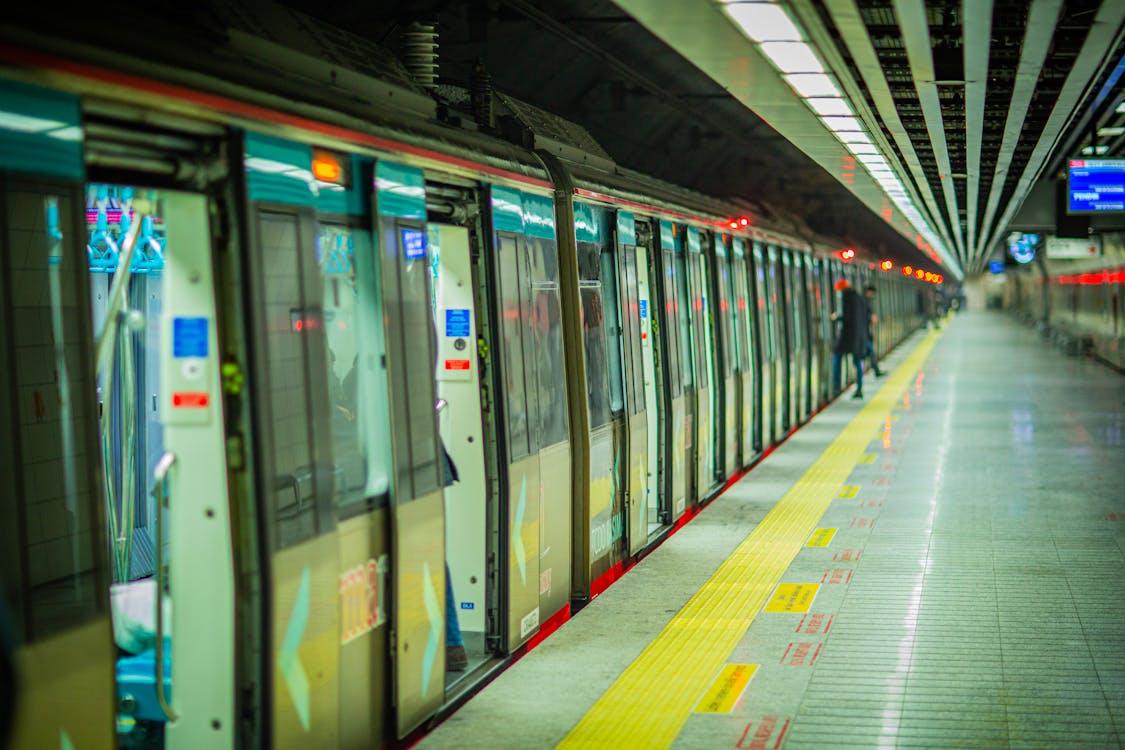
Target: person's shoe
pixel 456 660
pixel 857 394
pixel 879 373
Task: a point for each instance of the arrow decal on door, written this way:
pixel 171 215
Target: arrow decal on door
pixel 433 614
pixel 517 532
pixel 288 661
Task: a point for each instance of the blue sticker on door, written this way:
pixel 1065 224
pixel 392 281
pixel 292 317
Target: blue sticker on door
pixel 457 323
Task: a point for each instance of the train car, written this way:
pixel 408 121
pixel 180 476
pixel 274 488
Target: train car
pixel 1081 302
pixel 301 389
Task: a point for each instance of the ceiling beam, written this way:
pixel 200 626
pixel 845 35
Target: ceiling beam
pixel 846 17
pixel 915 29
pixel 976 33
pixel 1105 35
pixel 1041 20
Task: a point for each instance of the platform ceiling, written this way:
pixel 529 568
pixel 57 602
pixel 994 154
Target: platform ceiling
pixel 973 100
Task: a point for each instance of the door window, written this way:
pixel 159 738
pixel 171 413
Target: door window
pixel 50 458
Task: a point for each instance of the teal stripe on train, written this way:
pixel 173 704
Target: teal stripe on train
pixel 693 240
pixel 340 199
pixel 667 236
pixel 522 213
pixel 626 229
pixel 279 171
pixel 401 189
pixel 40 132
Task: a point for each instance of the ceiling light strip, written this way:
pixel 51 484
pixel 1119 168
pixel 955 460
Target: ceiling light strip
pixel 915 30
pixel 1041 20
pixel 846 17
pixel 1104 36
pixel 976 20
pixel 782 42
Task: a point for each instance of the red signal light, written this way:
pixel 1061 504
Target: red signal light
pixel 744 221
pixel 886 265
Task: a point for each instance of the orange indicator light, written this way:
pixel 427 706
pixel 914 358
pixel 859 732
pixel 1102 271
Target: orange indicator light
pixel 325 169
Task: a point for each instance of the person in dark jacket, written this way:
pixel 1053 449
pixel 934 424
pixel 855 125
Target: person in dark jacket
pixel 852 338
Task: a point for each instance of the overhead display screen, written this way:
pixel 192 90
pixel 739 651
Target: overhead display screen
pixel 1095 185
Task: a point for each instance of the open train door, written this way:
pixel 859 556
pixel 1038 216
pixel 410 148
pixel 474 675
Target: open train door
pixel 417 505
pixel 640 396
pixel 53 569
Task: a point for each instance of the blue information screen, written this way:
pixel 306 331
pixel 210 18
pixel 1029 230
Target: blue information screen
pixel 1095 185
pixel 413 243
pixel 457 323
pixel 189 337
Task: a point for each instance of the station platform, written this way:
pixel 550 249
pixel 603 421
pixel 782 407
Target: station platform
pixel 940 565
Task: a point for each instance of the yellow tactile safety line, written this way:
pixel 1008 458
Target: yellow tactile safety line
pixel 653 698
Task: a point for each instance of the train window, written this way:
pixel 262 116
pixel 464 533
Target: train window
pixel 410 347
pixel 546 327
pixel 356 407
pixel 633 330
pixel 593 334
pixel 612 332
pixel 683 301
pixel 513 311
pixel 291 320
pixel 701 317
pixel 50 517
pixel 671 325
pixel 745 337
pixel 725 314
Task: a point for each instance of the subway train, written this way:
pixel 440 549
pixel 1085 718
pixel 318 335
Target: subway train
pixel 250 338
pixel 1081 303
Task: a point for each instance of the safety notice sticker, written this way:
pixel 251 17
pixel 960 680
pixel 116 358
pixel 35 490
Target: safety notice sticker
pixel 792 597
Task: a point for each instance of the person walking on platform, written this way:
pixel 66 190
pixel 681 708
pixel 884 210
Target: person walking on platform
pixel 852 339
pixel 872 319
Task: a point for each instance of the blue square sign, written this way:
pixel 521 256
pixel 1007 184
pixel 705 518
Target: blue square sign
pixel 189 337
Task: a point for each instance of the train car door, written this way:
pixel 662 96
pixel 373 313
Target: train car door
pixel 605 516
pixel 361 452
pixel 652 351
pixel 791 396
pixel 816 331
pixel 795 285
pixel 706 381
pixel 640 410
pixel 458 377
pixel 53 562
pixel 772 385
pixel 417 501
pixel 539 458
pixel 673 325
pixel 743 328
pixel 730 404
pixel 154 317
pixel 688 366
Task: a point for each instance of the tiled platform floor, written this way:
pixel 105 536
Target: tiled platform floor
pixel 973 594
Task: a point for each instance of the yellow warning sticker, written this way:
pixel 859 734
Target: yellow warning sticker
pixel 866 458
pixel 726 689
pixel 822 537
pixel 792 597
pixel 848 491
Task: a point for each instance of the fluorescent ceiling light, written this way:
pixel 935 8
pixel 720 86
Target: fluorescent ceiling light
pixel 812 84
pixel 1105 132
pixel 1094 150
pixel 826 107
pixel 764 22
pixel 792 57
pixel 1120 108
pixel 852 136
pixel 861 148
pixel 842 124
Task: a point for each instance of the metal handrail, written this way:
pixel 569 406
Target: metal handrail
pixel 159 476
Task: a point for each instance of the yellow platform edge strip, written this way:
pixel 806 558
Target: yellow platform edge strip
pixel 648 705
